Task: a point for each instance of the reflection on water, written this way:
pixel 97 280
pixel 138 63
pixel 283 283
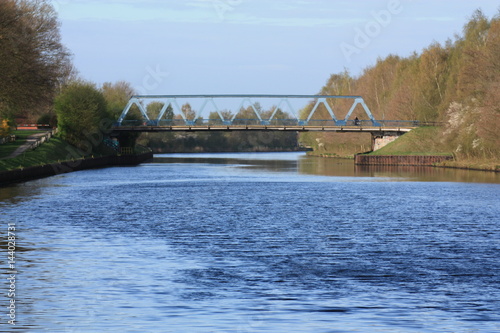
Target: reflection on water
pixel 15 193
pixel 334 167
pixel 430 173
pixel 256 243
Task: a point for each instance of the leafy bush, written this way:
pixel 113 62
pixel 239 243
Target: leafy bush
pixel 81 111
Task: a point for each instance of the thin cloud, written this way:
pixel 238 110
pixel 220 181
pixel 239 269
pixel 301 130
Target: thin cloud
pixel 277 13
pixel 127 10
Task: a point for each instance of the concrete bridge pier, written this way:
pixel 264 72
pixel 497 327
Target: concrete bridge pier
pixel 383 138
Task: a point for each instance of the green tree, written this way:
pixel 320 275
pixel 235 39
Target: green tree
pixel 154 109
pixel 81 110
pixel 117 96
pixel 248 115
pixel 215 118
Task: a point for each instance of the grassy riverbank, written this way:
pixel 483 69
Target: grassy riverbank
pixel 56 150
pixel 424 141
pixel 420 141
pixel 427 141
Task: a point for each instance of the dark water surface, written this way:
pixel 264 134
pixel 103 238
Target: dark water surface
pixel 255 243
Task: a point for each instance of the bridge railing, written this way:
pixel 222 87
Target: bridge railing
pixel 241 122
pixel 408 123
pixel 274 122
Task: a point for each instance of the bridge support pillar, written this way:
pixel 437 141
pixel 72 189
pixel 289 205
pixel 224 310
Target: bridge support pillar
pixel 124 139
pixel 382 139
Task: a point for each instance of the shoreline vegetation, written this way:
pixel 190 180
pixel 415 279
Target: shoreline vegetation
pixel 424 141
pixel 55 157
pixel 53 169
pixel 428 141
pixel 56 150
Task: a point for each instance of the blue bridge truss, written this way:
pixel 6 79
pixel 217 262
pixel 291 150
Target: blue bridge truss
pixel 216 103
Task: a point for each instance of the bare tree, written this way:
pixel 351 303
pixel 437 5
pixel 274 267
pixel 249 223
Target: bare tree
pixel 33 61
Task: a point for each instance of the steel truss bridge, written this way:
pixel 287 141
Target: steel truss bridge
pixel 232 105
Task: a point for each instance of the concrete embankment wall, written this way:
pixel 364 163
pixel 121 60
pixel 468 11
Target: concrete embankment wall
pixel 399 160
pixel 20 175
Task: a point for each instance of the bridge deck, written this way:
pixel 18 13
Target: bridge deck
pixel 230 128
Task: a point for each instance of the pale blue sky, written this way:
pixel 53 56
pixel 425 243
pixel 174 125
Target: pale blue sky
pixel 249 46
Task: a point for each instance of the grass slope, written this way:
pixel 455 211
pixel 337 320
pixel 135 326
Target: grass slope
pixel 420 141
pixel 56 150
pixel 428 141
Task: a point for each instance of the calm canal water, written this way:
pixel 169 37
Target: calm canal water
pixel 255 243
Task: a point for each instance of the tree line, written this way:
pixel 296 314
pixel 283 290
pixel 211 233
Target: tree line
pixel 457 83
pixel 39 84
pixel 34 64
